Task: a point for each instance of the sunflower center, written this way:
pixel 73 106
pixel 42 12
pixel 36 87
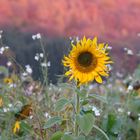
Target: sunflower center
pixel 85 59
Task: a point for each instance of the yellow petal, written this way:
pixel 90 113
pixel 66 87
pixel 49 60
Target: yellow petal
pixel 68 73
pixel 98 79
pixel 94 41
pixel 16 127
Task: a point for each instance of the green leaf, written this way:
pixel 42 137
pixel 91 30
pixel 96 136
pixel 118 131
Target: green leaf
pixel 79 138
pixel 25 127
pixel 111 121
pixel 98 97
pixel 60 104
pixel 57 136
pixel 4 70
pixel 67 137
pixel 52 121
pixel 85 122
pixel 82 93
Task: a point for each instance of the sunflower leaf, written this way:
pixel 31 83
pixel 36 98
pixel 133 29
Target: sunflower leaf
pixel 85 122
pixel 52 121
pixel 98 97
pixel 60 104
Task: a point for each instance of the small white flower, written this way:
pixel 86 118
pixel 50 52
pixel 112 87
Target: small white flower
pixel 38 36
pixel 130 88
pixel 10 105
pixel 2 49
pixel 118 74
pixel 12 85
pixel 94 108
pixel 43 64
pixel 125 49
pixel 46 115
pixel 5 110
pixel 77 39
pixel 9 63
pixel 120 110
pixel 109 48
pixel 70 38
pixel 139 118
pixel 36 58
pixel 128 113
pixel 6 47
pixel 28 69
pixel 33 37
pixel 97 114
pixel 41 55
pixel 130 52
pixel 24 74
pixel 49 64
pixel 31 117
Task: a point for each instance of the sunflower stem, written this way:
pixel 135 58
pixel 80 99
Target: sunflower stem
pixel 77 108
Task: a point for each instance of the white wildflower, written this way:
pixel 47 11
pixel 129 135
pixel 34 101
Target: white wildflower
pixel 12 85
pixel 109 48
pixel 36 58
pixel 120 110
pixel 38 36
pixel 28 69
pixel 118 74
pixel 31 117
pixel 41 55
pixel 77 39
pixel 96 111
pixel 46 114
pixel 10 105
pixel 43 64
pixel 6 47
pixel 5 110
pixel 125 49
pixel 9 63
pixel 130 52
pixel 33 37
pixel 130 88
pixel 97 114
pixel 24 74
pixel 49 64
pixel 2 49
pixel 128 113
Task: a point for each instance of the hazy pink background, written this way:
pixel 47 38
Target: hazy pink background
pixel 113 21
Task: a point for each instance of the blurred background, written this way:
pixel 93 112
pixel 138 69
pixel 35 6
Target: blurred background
pixel 114 22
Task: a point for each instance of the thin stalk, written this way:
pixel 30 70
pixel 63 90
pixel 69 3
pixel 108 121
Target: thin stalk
pixel 77 108
pixel 100 130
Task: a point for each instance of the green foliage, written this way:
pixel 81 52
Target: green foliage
pixel 57 136
pixel 85 122
pixel 52 121
pixel 60 104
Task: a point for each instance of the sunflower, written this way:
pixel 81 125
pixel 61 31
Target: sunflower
pixel 87 61
pixel 8 80
pixel 16 127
